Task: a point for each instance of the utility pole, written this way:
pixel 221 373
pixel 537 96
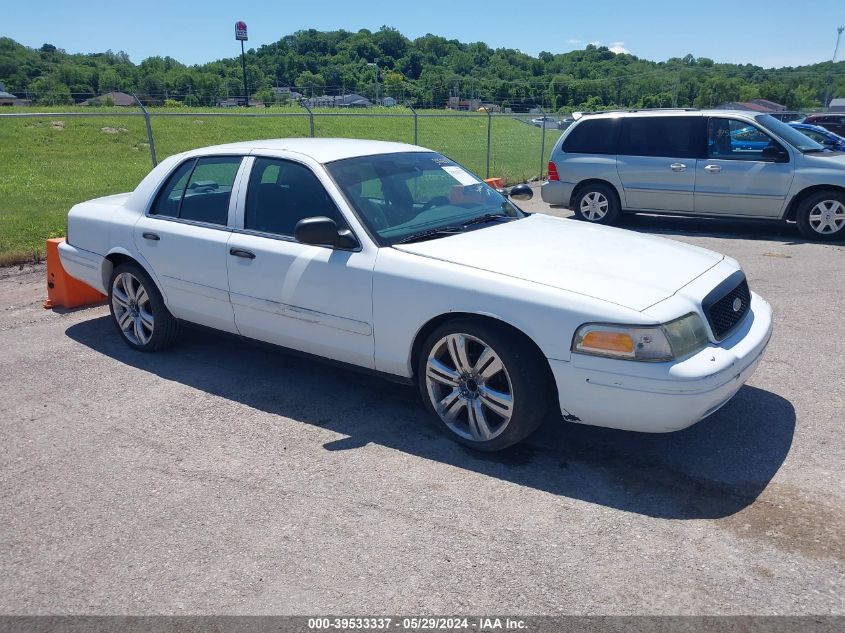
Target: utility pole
pixel 832 62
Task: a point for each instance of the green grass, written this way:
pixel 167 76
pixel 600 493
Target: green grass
pixel 47 167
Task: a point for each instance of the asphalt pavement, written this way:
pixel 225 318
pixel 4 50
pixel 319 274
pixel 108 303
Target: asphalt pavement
pixel 223 476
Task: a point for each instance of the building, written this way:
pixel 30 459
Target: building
pixel 284 93
pixel 388 102
pixel 112 98
pixel 837 105
pixel 8 99
pixel 755 105
pixel 469 105
pixel 238 102
pixel 339 101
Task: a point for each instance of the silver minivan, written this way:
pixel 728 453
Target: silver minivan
pixel 715 163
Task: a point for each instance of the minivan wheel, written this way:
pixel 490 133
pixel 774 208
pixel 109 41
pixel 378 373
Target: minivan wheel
pixel 484 385
pixel 597 204
pixel 821 216
pixel 138 311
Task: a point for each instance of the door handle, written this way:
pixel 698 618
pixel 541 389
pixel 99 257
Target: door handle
pixel 713 169
pixel 678 167
pixel 151 236
pixel 240 252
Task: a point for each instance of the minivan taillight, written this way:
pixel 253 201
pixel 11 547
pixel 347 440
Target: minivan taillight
pixel 553 172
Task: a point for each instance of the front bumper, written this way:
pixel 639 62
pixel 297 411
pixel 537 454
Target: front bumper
pixel 663 397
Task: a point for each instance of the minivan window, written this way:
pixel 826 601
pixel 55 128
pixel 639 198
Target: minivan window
pixel 668 136
pixel 789 134
pixel 593 136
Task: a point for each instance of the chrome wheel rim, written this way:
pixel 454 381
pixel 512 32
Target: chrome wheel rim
pixel 469 387
pixel 132 309
pixel 827 217
pixel 594 206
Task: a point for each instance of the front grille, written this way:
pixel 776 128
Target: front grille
pixel 720 309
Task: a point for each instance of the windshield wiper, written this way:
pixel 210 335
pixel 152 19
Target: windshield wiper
pixel 488 217
pixel 430 234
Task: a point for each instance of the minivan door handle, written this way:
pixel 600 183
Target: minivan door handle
pixel 240 252
pixel 678 167
pixel 151 236
pixel 712 169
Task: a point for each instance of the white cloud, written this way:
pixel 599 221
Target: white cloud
pixel 595 43
pixel 574 41
pixel 619 47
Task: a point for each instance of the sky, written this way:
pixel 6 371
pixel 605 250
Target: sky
pixel 771 34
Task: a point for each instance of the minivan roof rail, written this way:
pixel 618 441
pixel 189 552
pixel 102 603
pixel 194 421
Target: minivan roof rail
pixel 578 115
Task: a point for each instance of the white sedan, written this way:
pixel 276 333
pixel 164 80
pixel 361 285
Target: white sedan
pixel 397 260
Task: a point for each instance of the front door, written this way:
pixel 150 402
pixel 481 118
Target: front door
pixel 657 160
pixel 311 298
pixel 736 179
pixel 184 237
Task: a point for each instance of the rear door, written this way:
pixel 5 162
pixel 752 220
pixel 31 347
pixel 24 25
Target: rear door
pixel 657 161
pixel 735 179
pixel 183 236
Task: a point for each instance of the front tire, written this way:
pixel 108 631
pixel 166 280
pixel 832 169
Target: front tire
pixel 821 216
pixel 484 384
pixel 138 311
pixel 597 204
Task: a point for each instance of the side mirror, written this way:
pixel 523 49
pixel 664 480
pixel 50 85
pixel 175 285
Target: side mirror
pixel 521 192
pixel 323 231
pixel 775 154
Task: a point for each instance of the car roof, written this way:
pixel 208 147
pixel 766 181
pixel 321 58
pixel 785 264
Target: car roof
pixel 323 150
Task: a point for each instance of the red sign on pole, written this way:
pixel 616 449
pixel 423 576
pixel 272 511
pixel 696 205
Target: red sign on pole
pixel 240 31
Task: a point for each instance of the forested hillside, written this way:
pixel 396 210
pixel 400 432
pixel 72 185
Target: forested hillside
pixel 425 71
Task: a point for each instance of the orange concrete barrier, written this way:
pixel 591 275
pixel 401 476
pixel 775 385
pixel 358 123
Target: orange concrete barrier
pixel 496 183
pixel 63 291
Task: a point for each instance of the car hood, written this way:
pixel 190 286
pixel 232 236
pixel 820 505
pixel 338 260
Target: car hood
pixel 622 267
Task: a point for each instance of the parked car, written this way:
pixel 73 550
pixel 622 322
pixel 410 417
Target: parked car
pixel 788 116
pixel 705 163
pixel 831 141
pixel 396 260
pixel 832 122
pixel 546 122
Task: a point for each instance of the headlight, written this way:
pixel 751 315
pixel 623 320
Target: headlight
pixel 653 343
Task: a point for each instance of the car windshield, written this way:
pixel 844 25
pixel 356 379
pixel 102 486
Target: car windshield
pixel 403 195
pixel 799 141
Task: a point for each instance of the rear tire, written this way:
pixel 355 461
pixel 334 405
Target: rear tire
pixel 821 216
pixel 138 311
pixel 485 385
pixel 596 203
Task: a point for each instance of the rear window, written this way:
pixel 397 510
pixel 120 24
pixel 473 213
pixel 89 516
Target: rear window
pixel 593 136
pixel 670 137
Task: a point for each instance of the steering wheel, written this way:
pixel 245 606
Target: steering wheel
pixel 435 200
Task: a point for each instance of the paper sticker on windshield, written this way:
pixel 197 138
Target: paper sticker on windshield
pixel 463 177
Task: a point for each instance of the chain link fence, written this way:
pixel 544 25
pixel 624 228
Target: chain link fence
pixel 50 161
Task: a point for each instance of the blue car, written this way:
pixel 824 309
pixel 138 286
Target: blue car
pixel 820 135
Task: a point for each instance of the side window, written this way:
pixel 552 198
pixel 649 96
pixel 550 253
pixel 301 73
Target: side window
pixel 281 193
pixel 170 197
pixel 736 140
pixel 593 136
pixel 666 136
pixel 207 195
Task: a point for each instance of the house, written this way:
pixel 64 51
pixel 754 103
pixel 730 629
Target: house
pixel 470 105
pixel 8 99
pixel 837 105
pixel 339 101
pixel 755 105
pixel 112 98
pixel 284 93
pixel 388 102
